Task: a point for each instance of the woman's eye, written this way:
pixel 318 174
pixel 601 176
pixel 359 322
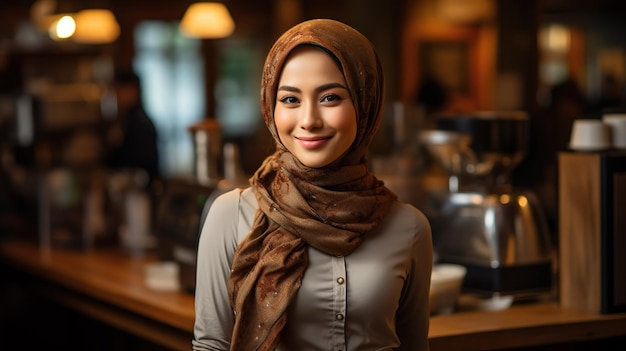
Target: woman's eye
pixel 289 100
pixel 331 98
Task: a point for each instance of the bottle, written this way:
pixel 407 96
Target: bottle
pixel 234 177
pixel 207 139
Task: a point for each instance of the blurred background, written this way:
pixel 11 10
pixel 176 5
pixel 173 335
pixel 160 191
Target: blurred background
pixel 62 106
pixel 485 54
pixel 117 123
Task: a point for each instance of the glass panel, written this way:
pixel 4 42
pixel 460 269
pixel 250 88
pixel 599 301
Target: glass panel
pixel 237 88
pixel 172 72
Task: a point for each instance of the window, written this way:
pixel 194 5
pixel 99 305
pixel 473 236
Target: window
pixel 171 67
pixel 171 70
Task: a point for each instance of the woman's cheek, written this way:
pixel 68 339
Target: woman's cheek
pixel 283 120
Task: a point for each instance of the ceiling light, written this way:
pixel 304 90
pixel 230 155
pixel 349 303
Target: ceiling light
pixel 63 28
pixel 96 26
pixel 207 20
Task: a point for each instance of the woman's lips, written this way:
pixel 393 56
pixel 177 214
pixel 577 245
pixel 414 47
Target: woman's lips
pixel 312 142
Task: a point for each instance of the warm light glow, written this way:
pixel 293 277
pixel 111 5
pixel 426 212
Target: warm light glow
pixel 555 38
pixel 466 11
pixel 61 26
pixel 522 201
pixel 65 27
pixel 96 26
pixel 505 199
pixel 207 20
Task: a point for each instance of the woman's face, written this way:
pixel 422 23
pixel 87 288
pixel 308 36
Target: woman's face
pixel 314 114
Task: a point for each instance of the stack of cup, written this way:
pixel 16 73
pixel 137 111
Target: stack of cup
pixel 617 126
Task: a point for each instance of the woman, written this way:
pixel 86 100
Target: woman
pixel 317 254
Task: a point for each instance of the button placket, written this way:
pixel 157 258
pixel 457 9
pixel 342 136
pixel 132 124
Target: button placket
pixel 338 337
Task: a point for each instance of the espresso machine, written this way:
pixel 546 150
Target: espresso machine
pixel 496 230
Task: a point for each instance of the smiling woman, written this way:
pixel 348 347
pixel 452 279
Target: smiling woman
pixel 317 245
pixel 314 115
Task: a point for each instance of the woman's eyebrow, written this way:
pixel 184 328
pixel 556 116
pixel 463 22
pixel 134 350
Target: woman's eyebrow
pixel 289 88
pixel 330 86
pixel 318 89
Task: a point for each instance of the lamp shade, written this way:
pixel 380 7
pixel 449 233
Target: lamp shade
pixel 207 20
pixel 96 26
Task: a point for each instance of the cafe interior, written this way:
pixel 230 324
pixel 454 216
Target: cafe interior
pixel 100 215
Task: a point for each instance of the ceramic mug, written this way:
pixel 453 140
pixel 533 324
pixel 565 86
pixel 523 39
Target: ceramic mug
pixel 590 135
pixel 617 124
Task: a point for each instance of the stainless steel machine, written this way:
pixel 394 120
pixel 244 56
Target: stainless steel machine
pixel 482 221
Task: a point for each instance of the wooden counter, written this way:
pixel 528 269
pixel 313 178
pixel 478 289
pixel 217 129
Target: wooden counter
pixel 524 326
pixel 108 285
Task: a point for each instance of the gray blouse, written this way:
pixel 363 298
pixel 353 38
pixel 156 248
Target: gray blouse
pixel 374 299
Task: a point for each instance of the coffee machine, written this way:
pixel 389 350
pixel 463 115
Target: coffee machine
pixel 496 230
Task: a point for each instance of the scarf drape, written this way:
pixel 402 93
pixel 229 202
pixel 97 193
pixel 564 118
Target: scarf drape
pixel 330 208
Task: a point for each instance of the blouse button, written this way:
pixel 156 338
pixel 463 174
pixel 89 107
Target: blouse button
pixel 340 280
pixel 339 317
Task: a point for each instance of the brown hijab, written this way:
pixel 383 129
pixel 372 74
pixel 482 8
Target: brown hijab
pixel 330 208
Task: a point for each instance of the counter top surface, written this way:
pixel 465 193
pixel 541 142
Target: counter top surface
pixel 521 325
pixel 114 277
pixel 110 275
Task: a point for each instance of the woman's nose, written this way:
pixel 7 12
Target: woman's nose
pixel 310 117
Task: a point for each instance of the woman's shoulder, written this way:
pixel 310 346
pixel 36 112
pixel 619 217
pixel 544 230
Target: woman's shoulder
pixel 408 216
pixel 234 199
pixel 234 211
pixel 407 209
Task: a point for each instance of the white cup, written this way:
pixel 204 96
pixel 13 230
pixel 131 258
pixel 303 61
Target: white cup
pixel 617 124
pixel 590 135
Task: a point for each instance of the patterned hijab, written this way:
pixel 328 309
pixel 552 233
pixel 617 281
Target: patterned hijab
pixel 331 208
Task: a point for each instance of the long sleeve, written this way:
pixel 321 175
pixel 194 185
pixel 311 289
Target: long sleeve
pixel 414 312
pixel 217 244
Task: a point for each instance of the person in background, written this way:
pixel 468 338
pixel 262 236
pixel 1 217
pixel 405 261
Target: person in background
pixel 610 98
pixel 132 140
pixel 433 96
pixel 317 254
pixel 549 135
